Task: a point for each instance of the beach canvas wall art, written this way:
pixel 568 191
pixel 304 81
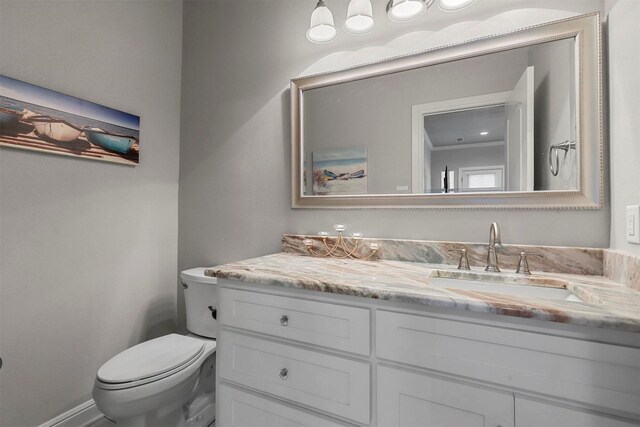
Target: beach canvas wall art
pixel 39 119
pixel 340 171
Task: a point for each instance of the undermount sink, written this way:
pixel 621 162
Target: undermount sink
pixel 506 289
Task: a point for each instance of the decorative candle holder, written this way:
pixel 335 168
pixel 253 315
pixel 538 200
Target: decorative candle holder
pixel 341 249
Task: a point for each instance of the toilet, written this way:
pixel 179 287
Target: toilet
pixel 167 381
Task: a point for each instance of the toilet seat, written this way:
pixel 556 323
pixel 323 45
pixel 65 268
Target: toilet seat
pixel 149 361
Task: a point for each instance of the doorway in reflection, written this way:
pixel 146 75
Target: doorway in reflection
pixel 484 143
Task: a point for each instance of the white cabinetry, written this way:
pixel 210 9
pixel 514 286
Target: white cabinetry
pixel 294 358
pixel 339 327
pixel 579 370
pixel 531 413
pixel 329 383
pixel 309 354
pixel 242 409
pixel 409 399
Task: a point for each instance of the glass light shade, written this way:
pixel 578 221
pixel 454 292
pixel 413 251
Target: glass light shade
pixel 454 5
pixel 322 28
pixel 406 10
pixel 359 17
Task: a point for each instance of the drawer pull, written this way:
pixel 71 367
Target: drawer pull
pixel 283 373
pixel 284 320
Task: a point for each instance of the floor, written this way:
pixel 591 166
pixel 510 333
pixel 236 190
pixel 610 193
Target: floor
pixel 102 422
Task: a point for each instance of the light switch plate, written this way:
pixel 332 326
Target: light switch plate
pixel 633 224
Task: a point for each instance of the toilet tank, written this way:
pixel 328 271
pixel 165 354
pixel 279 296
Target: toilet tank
pixel 201 302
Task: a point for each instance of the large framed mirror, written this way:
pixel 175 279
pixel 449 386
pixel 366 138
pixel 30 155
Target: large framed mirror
pixel 507 121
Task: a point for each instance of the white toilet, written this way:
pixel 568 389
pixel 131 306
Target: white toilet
pixel 167 381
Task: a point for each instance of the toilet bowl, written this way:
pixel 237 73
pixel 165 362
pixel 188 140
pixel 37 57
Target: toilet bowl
pixel 168 381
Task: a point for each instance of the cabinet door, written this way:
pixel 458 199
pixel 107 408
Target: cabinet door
pixel 240 409
pixel 531 413
pixel 408 399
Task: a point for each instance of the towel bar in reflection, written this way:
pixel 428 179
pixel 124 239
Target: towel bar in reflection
pixel 554 156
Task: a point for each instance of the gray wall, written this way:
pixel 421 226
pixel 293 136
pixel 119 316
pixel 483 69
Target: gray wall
pixel 235 191
pixel 624 110
pixel 88 249
pixel 554 112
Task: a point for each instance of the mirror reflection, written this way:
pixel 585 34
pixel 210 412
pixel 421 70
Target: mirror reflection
pixel 488 123
pixel 465 150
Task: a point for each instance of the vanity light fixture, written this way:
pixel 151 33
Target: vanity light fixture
pixel 359 20
pixel 359 17
pixel 454 5
pixel 407 10
pixel 341 248
pixel 321 29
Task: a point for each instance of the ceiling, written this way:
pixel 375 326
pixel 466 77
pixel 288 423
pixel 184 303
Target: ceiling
pixel 444 128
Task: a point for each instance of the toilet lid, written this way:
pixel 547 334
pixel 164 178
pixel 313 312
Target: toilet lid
pixel 197 275
pixel 151 358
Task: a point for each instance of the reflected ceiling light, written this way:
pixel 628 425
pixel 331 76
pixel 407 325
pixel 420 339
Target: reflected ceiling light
pixel 484 133
pixel 454 5
pixel 359 17
pixel 406 10
pixel 322 28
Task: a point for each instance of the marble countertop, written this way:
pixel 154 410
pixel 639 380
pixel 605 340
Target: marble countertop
pixel 606 304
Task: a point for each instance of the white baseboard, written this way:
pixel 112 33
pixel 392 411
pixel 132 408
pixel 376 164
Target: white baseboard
pixel 80 416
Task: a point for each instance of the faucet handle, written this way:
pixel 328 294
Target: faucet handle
pixel 492 260
pixel 463 264
pixel 523 265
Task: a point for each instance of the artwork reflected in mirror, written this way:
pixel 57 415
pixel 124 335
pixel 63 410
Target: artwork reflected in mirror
pixel 340 171
pixel 490 121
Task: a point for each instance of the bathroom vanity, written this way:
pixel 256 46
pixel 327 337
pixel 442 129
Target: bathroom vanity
pixel 333 342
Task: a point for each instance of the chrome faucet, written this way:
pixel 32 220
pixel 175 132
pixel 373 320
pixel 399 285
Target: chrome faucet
pixel 492 256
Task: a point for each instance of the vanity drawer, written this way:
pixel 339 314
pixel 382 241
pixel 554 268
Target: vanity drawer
pixel 332 384
pixel 329 325
pixel 241 409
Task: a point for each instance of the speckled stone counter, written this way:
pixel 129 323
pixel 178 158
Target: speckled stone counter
pixel 606 304
pixel 622 267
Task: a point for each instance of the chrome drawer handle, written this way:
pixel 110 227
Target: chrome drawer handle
pixel 284 320
pixel 283 373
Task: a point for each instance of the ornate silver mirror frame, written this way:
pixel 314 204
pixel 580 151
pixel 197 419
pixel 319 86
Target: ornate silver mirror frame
pixel 586 30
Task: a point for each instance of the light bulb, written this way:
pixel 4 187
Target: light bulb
pixel 359 17
pixel 454 5
pixel 321 28
pixel 406 10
